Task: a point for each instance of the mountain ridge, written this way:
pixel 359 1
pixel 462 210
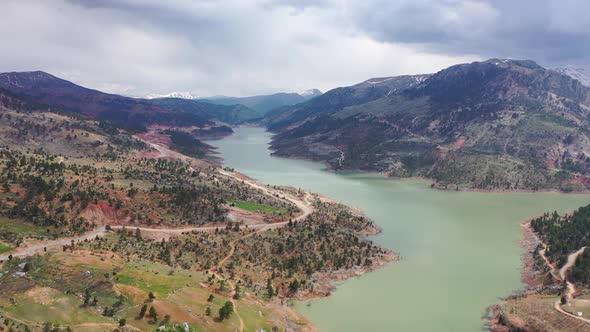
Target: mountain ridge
pixel 71 98
pixel 470 125
pixel 579 73
pixel 265 103
pixel 130 113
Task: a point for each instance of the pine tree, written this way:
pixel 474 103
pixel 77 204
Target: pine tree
pixel 153 314
pixel 269 290
pixel 142 311
pixel 226 310
pixel 86 297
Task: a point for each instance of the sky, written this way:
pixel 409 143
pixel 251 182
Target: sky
pixel 249 47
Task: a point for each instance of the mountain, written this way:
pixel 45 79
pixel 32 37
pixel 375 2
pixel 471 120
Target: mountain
pixel 232 114
pixel 496 124
pixel 265 103
pixel 337 99
pixel 578 73
pixel 67 97
pixel 180 95
pixel 310 93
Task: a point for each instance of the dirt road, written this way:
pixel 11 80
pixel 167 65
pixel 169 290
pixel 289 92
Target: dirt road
pixel 570 288
pixel 561 275
pixel 305 205
pixel 40 247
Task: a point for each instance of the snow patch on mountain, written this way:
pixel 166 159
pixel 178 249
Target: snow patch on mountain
pixel 309 93
pixel 579 73
pixel 179 94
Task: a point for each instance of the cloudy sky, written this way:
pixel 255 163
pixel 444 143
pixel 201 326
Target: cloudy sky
pixel 245 47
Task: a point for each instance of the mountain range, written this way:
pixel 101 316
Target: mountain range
pixel 235 110
pixel 265 103
pixel 495 124
pixel 63 96
pixel 174 109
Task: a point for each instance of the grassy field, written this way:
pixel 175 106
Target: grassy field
pixel 4 248
pixel 256 207
pixel 254 317
pixel 537 313
pixel 181 294
pixel 49 305
pixel 178 293
pixel 579 305
pixel 155 278
pixel 13 226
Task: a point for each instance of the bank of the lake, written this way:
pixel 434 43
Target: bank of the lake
pixel 460 250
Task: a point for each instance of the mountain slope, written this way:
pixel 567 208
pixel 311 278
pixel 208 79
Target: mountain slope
pixel 497 124
pixel 578 73
pixel 265 103
pixel 232 113
pixel 337 99
pixel 68 97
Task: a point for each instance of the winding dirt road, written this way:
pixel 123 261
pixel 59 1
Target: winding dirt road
pixel 304 205
pixel 40 247
pixel 214 271
pixel 570 288
pixel 561 275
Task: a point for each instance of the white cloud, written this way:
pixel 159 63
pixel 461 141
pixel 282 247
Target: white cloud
pixel 207 47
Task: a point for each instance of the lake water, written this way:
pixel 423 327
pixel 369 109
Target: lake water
pixel 459 250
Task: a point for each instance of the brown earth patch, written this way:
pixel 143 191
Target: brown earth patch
pixel 248 217
pixel 135 294
pixel 86 257
pixel 102 213
pixel 43 295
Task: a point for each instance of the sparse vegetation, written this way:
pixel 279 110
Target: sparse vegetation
pixel 65 175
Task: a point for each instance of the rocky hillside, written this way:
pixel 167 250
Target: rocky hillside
pixel 496 124
pixel 579 73
pixel 339 98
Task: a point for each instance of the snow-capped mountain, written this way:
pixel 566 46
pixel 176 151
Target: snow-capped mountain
pixel 180 95
pixel 579 73
pixel 310 93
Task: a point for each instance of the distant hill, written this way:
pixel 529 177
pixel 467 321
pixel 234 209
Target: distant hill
pixel 232 114
pixel 496 124
pixel 263 104
pixel 131 113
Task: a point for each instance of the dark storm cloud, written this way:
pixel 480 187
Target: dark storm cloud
pixel 246 47
pixel 545 30
pixel 548 31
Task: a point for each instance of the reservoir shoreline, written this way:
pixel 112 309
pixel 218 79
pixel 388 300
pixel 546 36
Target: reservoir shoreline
pixel 461 249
